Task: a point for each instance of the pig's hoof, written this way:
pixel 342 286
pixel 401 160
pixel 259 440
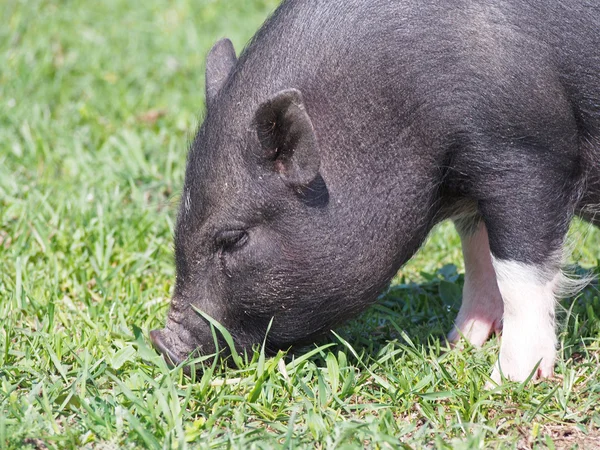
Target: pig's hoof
pixel 480 314
pixel 518 363
pixel 476 321
pixel 476 330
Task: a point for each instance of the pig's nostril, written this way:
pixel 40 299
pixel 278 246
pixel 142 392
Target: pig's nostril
pixel 157 338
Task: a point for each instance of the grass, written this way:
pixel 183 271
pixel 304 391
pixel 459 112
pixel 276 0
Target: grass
pixel 98 101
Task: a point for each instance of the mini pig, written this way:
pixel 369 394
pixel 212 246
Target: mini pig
pixel 348 128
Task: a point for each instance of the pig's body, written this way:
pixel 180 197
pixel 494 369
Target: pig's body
pixel 348 129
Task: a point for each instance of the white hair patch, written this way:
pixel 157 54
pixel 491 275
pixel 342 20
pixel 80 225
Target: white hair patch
pixel 528 335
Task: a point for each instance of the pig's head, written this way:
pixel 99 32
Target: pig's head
pixel 259 236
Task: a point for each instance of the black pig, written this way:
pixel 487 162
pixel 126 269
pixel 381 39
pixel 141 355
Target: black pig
pixel 348 128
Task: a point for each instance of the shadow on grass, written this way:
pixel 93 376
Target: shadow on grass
pixel 421 315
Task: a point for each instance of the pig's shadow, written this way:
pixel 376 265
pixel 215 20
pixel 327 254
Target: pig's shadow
pixel 421 314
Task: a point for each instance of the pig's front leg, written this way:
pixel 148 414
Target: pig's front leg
pixel 512 296
pixel 529 335
pixel 481 311
pixel 527 218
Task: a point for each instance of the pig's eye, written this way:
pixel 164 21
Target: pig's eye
pixel 230 240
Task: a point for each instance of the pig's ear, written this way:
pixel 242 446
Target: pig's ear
pixel 219 63
pixel 287 138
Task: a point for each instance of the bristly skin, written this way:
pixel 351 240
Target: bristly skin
pixel 347 129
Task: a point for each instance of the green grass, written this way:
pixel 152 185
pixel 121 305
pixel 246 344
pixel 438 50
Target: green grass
pixel 98 101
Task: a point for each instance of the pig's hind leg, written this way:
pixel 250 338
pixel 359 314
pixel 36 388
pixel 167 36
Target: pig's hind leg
pixel 481 310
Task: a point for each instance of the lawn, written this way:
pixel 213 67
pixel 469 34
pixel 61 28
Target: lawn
pixel 98 103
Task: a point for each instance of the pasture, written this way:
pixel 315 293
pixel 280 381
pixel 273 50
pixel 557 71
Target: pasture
pixel 98 104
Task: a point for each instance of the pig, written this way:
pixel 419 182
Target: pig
pixel 347 129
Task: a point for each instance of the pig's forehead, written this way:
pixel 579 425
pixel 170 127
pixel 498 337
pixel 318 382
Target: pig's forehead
pixel 217 173
pixel 221 140
pixel 217 159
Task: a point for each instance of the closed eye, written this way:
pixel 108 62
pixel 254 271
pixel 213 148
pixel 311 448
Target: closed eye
pixel 230 240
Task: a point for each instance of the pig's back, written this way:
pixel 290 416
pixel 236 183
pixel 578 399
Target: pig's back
pixel 433 70
pixel 453 50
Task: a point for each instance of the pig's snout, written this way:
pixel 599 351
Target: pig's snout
pixel 159 342
pixel 184 337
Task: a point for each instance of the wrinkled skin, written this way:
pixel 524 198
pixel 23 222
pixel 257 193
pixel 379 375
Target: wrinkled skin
pixel 342 135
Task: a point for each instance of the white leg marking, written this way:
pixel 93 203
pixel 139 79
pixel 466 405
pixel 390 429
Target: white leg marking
pixel 481 309
pixel 528 335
